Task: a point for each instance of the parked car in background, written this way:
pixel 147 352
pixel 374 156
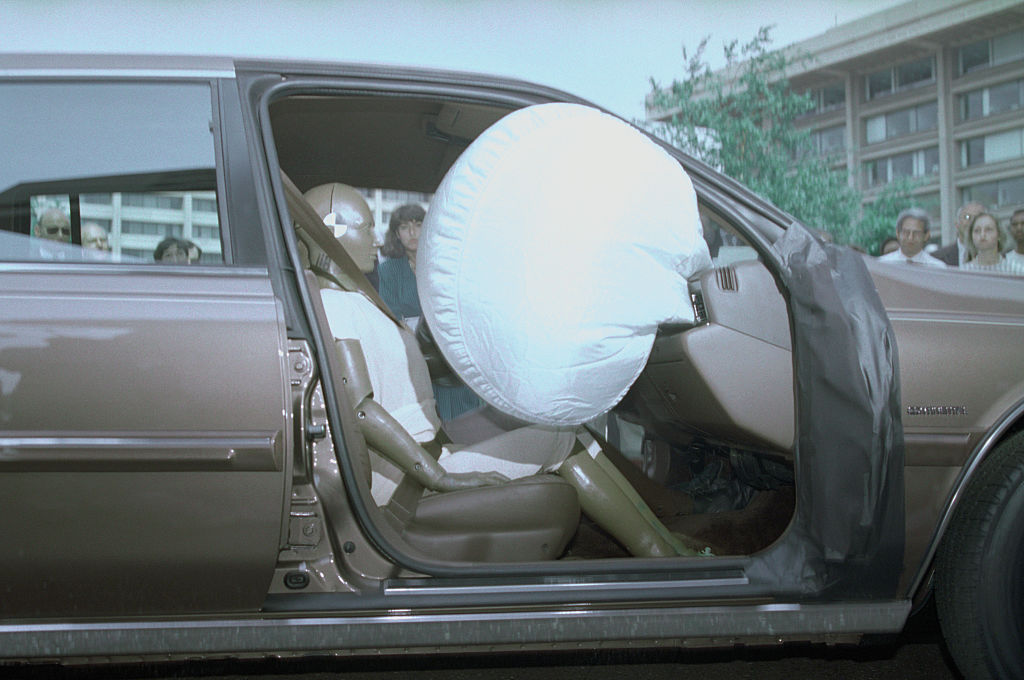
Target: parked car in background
pixel 181 468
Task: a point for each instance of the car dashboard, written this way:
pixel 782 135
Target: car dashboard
pixel 728 377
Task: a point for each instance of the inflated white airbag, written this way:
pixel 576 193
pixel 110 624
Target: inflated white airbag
pixel 552 250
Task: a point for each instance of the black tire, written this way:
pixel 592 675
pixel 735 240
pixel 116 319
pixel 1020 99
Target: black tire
pixel 979 571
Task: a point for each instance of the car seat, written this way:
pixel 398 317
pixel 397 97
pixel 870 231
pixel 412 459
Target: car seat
pixel 528 519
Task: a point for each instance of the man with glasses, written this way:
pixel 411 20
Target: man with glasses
pixel 912 232
pixel 1017 232
pixel 53 228
pixel 54 225
pixel 955 254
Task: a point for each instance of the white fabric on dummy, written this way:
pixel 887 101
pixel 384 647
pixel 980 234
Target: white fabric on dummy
pixel 515 454
pixel 401 385
pixel 553 249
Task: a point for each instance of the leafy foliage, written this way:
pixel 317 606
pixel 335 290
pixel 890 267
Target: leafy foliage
pixel 741 120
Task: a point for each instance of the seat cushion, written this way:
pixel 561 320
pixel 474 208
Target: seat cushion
pixel 526 520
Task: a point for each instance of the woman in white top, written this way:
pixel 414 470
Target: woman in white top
pixel 985 242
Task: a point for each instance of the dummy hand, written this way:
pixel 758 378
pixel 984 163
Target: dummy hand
pixel 391 440
pixel 453 481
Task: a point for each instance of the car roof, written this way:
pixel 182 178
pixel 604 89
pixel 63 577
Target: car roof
pixel 60 64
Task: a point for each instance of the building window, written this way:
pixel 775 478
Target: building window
pixel 992 100
pixel 992 148
pixel 901 77
pixel 158 229
pixel 991 52
pixel 208 205
pixel 1008 192
pixel 920 163
pixel 828 98
pixel 152 200
pixel 931 204
pixel 828 141
pixel 902 122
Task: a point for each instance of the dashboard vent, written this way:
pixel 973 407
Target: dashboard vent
pixel 726 277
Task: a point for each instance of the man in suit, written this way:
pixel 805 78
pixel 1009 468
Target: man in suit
pixel 955 254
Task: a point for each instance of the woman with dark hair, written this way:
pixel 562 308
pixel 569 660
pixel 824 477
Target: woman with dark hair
pixel 398 272
pixel 398 290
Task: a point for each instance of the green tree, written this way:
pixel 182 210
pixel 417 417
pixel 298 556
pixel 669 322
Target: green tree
pixel 878 218
pixel 741 119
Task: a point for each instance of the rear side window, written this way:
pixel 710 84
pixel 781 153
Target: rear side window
pixel 108 172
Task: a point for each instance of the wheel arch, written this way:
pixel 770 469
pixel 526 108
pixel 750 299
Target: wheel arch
pixel 1009 424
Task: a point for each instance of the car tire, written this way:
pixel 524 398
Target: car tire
pixel 979 571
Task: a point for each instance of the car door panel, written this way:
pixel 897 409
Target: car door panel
pixel 143 443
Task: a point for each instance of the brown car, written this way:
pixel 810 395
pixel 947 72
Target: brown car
pixel 184 471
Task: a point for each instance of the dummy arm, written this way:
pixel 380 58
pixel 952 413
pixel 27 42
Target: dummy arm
pixel 387 436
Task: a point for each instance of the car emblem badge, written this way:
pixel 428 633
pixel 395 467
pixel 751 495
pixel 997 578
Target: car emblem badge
pixel 936 410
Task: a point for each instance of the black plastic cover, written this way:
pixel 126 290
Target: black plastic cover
pixel 848 533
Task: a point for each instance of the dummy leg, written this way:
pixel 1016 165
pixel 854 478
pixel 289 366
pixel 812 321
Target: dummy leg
pixel 608 499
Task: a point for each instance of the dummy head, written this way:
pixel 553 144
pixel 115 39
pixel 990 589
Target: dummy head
pixel 348 216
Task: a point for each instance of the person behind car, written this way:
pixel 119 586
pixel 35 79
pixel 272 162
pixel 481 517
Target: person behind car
pixel 912 227
pixel 397 287
pixel 51 232
pixel 402 405
pixel 955 254
pixel 1017 232
pixel 397 272
pixel 986 241
pixel 54 225
pixel 194 252
pixel 174 250
pixel 889 245
pixel 171 250
pixel 94 237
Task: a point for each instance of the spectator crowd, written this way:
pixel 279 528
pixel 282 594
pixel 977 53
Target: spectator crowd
pixel 982 243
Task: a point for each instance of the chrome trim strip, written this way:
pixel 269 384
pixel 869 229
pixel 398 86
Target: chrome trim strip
pixel 141 451
pixel 405 631
pixel 960 319
pixel 132 269
pixel 566 587
pixel 88 72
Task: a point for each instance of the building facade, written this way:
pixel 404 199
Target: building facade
pixel 932 91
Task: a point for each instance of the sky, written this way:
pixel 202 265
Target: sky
pixel 606 51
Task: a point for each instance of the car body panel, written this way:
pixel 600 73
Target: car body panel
pixel 145 480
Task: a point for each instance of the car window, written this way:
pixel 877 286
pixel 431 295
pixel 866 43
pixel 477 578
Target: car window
pixel 724 241
pixel 109 172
